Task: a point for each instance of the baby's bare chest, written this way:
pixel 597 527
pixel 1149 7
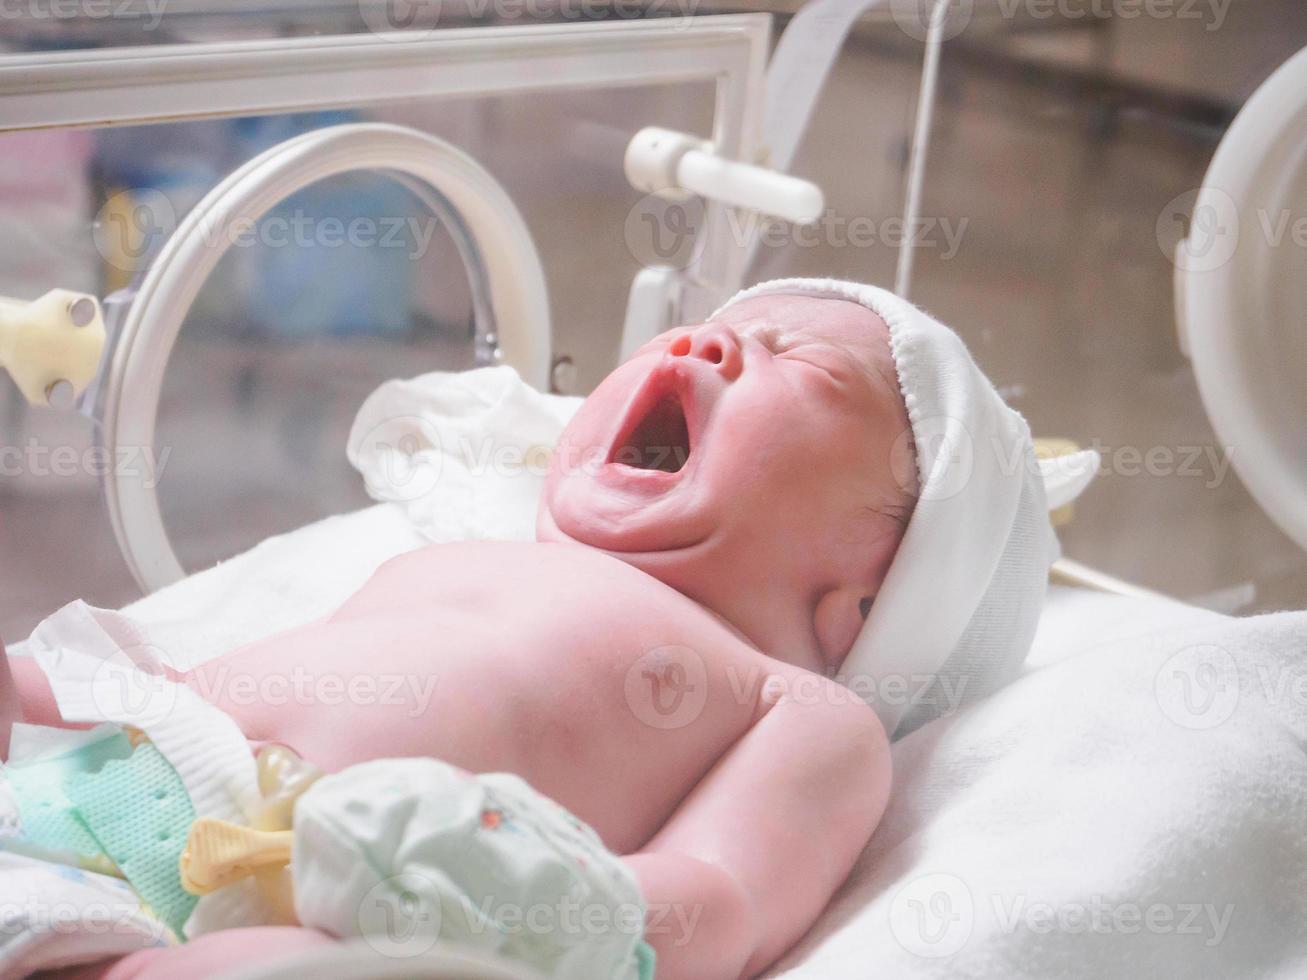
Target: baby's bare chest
pixel 610 696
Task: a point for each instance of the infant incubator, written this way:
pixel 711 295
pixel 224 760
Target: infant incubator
pixel 225 229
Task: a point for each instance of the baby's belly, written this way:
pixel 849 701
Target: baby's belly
pixel 615 729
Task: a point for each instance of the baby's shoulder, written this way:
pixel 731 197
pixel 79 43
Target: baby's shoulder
pixel 525 576
pixel 500 561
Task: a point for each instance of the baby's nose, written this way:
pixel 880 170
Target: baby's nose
pixel 714 343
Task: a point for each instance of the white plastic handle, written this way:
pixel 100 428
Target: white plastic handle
pixel 1239 297
pixel 662 160
pixel 745 186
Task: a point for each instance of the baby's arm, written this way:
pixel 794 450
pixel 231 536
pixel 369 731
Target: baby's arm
pixel 10 709
pixel 218 952
pixel 751 857
pixel 25 696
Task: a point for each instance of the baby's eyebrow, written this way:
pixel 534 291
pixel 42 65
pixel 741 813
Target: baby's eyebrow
pixel 773 335
pixel 761 330
pixel 898 513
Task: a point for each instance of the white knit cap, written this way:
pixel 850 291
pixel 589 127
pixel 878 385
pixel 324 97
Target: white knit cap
pixel 957 610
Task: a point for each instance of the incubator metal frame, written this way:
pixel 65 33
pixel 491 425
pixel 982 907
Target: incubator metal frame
pixel 172 82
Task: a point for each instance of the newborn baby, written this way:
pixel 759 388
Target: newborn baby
pixel 752 530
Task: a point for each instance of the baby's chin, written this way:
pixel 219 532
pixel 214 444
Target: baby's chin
pixel 622 514
pixel 598 498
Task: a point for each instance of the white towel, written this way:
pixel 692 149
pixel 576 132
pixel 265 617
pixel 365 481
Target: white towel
pixel 1137 808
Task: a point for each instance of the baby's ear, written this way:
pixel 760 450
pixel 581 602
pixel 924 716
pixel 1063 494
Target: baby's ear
pixel 838 620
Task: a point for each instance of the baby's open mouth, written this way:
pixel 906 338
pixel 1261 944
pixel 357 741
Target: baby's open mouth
pixel 659 440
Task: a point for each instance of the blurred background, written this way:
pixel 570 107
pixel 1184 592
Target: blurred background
pixel 1067 136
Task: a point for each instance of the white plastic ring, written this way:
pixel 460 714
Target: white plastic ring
pixel 1241 298
pixel 140 357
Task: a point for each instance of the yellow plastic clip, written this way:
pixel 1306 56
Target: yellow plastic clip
pixel 1051 449
pixel 283 778
pixel 52 345
pixel 218 853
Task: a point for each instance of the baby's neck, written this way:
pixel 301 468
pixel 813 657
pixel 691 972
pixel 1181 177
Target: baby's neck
pixel 786 639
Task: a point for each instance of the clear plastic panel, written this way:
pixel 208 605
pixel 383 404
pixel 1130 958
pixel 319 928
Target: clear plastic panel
pixel 341 287
pixel 1064 162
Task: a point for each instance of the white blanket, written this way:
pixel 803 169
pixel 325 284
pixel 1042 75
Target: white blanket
pixel 1134 806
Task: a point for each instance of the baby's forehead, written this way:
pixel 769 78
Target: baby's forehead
pixel 854 328
pixel 790 317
